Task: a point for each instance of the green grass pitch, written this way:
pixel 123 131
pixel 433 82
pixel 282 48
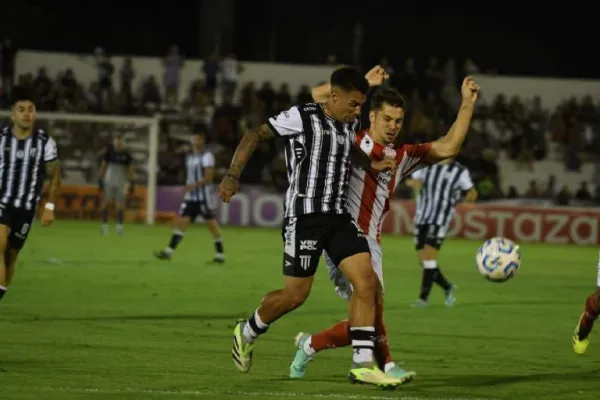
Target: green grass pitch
pixel 91 317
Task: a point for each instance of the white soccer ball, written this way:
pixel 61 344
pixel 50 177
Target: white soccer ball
pixel 498 259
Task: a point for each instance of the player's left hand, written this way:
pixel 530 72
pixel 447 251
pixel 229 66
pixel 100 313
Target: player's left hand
pixel 227 188
pixel 47 217
pixel 189 187
pixel 376 76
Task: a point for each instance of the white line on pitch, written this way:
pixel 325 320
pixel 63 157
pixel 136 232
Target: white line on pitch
pixel 214 393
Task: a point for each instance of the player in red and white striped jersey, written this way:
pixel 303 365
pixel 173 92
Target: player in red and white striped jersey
pixel 368 202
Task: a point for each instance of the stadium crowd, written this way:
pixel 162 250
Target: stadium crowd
pixel 215 104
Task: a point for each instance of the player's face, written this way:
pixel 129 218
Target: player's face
pixel 346 104
pixel 198 142
pixel 386 123
pixel 23 114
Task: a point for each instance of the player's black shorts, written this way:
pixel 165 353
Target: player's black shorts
pixel 19 221
pixel 429 235
pixel 193 209
pixel 305 237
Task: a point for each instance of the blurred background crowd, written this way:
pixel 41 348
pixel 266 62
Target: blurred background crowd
pixel 523 133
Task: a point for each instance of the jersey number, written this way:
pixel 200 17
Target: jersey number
pixel 24 229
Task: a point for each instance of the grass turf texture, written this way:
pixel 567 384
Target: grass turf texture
pixel 91 317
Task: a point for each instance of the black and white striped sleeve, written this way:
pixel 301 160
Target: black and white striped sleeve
pixel 287 123
pixel 50 150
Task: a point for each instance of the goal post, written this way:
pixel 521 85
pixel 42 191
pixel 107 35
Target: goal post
pixel 80 137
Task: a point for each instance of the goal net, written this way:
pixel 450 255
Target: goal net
pixel 82 140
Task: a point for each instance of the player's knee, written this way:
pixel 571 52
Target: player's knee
pixel 365 283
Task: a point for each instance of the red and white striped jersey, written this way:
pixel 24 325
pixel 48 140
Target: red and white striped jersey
pixel 369 192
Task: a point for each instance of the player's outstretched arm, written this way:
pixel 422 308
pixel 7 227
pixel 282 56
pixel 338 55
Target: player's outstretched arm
pixel 376 76
pixel 449 145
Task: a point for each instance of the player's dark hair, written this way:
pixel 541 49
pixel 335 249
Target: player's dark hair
pixel 349 79
pixel 389 96
pixel 21 93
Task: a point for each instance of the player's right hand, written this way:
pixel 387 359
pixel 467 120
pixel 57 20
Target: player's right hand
pixel 383 165
pixel 227 188
pixel 376 76
pixel 469 90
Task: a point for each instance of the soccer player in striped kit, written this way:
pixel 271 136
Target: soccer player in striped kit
pixel 368 202
pixel 442 187
pixel 198 200
pixel 27 157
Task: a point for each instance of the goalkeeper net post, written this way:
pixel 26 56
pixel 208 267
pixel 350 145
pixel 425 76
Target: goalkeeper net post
pixel 90 133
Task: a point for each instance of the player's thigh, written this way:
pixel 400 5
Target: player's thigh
pixel 427 241
pixel 109 193
pixel 120 198
pixel 5 224
pixel 189 210
pixel 303 239
pixel 206 210
pixel 20 226
pixel 376 260
pixel 349 250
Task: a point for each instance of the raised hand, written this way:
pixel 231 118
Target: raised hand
pixel 469 90
pixel 376 76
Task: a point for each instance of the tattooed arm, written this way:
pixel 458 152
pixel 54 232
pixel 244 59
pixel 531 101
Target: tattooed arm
pixel 246 148
pixel 53 174
pixel 286 124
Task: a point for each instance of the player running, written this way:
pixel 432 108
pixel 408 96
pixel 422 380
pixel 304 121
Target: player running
pixel 116 171
pixel 319 139
pixel 27 157
pixel 368 202
pixel 441 187
pixel 581 337
pixel 198 199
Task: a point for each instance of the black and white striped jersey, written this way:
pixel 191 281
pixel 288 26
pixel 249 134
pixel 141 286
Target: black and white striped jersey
pixel 196 165
pixel 443 186
pixel 22 167
pixel 317 156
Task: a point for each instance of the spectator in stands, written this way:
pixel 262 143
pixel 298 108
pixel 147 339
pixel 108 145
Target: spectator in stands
pixel 583 193
pixel 533 192
pixel 230 68
pixel 150 96
pixel 210 69
pixel 267 95
pixel 127 75
pixel 8 54
pixel 550 190
pixel 304 95
pixel 105 70
pixel 283 98
pixel 563 197
pixel 173 62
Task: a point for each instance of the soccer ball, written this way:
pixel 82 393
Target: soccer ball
pixel 498 259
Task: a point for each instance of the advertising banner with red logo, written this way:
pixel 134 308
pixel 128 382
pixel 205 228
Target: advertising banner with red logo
pixel 557 225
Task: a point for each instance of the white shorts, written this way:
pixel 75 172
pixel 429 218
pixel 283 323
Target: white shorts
pixel 343 287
